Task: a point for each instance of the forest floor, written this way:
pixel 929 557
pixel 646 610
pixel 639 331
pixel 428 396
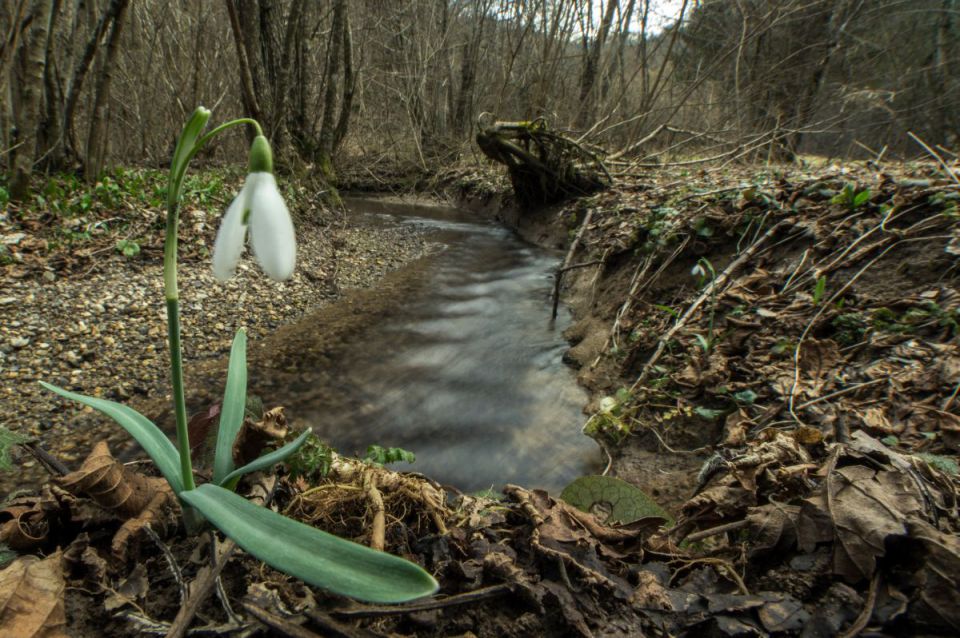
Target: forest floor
pixel 773 359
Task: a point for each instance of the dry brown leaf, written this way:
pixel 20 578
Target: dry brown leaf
pixel 818 360
pixel 31 598
pixel 112 484
pixel 143 500
pixel 255 436
pixel 23 527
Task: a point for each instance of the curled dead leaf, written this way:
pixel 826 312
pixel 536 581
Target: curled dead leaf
pixel 142 500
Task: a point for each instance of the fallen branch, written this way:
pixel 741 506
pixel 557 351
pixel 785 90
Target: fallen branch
pixel 558 277
pixel 428 605
pixel 936 156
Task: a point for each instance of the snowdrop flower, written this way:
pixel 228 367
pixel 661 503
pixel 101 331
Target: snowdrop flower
pixel 698 271
pixel 259 207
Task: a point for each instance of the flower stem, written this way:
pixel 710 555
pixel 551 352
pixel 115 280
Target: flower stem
pixel 178 170
pixel 176 352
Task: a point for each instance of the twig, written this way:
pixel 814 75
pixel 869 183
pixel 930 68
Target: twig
pixel 171 562
pixel 936 156
pixel 791 408
pixel 861 622
pixel 638 144
pixel 949 401
pixel 707 193
pixel 284 627
pixel 636 286
pixel 438 603
pixel 803 259
pixel 595 262
pixel 558 277
pixel 51 463
pixel 708 291
pixel 713 531
pixel 221 592
pixel 832 395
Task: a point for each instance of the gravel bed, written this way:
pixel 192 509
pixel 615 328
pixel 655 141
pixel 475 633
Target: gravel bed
pixel 103 333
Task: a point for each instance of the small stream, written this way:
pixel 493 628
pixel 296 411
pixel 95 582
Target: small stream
pixel 467 373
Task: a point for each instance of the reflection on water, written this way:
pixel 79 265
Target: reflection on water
pixel 468 374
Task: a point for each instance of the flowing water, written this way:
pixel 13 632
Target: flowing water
pixel 467 372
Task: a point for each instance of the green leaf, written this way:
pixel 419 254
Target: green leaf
pixel 128 248
pixel 672 312
pixel 746 397
pixel 943 463
pixel 316 557
pixel 7 440
pixel 708 413
pixel 265 461
pixel 149 436
pixel 234 403
pixel 703 342
pixel 861 198
pixel 383 455
pixel 819 290
pixel 626 503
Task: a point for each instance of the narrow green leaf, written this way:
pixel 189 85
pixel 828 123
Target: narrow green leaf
pixel 266 460
pixel 819 290
pixel 149 436
pixel 318 558
pixel 234 402
pixel 861 198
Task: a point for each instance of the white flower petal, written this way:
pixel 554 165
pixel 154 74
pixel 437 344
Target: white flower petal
pixel 271 229
pixel 229 245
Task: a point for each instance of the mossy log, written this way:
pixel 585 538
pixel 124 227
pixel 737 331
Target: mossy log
pixel 545 166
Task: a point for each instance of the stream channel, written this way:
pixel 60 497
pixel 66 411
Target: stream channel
pixel 467 372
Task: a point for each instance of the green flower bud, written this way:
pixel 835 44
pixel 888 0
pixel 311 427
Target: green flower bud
pixel 261 157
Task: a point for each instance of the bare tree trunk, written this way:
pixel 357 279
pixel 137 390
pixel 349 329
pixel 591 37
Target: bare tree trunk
pixel 248 93
pixel 463 106
pixel 327 133
pixel 20 20
pixel 349 85
pixel 591 65
pixel 71 149
pixel 49 130
pixel 97 138
pixel 27 102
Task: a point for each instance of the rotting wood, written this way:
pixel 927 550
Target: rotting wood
pixel 545 166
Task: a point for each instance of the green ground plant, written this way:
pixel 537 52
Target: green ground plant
pixel 852 197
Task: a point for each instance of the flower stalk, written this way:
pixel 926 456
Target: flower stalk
pixel 189 144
